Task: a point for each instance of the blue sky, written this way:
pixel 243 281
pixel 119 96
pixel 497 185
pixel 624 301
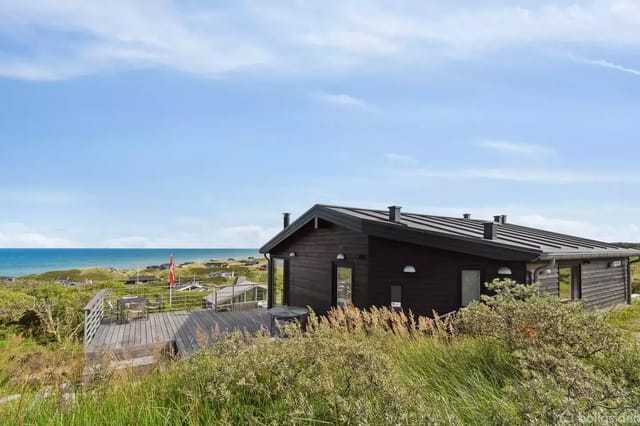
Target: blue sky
pixel 195 124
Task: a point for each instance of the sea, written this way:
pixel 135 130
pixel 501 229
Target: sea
pixel 17 262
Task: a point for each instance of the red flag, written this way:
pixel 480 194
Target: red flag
pixel 172 271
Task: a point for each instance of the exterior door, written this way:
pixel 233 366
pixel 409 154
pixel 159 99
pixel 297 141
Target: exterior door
pixel 470 286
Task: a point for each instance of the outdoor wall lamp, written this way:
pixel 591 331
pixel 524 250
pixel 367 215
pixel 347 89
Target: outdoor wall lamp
pixel 292 254
pixel 340 256
pixel 504 270
pixel 409 269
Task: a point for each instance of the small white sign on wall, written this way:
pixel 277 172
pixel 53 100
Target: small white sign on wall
pixel 396 305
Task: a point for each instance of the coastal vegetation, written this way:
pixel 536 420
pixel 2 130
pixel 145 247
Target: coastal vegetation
pixel 41 318
pixel 516 357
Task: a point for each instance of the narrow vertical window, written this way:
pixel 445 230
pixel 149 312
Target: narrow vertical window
pixel 344 285
pixel 278 282
pixel 565 283
pixel 396 297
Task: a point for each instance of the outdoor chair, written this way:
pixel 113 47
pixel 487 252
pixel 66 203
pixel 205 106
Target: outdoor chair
pixel 139 310
pixel 155 305
pixel 113 310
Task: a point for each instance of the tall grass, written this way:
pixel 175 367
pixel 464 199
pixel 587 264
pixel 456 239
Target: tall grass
pixel 351 367
pixel 458 382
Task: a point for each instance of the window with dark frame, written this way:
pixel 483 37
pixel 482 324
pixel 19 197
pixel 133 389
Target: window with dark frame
pixel 278 279
pixel 344 285
pixel 396 297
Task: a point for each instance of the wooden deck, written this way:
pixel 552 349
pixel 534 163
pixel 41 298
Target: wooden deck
pixel 178 331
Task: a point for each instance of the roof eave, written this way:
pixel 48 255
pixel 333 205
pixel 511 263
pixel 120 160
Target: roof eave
pixel 589 255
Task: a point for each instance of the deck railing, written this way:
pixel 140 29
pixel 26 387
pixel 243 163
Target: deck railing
pixel 93 315
pixel 181 300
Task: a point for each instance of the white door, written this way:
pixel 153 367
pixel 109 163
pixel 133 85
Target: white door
pixel 470 286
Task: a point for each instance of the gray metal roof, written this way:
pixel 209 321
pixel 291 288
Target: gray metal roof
pixel 457 234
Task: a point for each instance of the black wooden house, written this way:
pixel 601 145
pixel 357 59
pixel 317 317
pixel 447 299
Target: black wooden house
pixel 338 255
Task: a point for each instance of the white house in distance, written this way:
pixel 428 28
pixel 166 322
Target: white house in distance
pixel 221 274
pixel 242 295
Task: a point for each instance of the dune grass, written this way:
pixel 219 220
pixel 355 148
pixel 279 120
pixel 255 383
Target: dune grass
pixel 378 367
pixel 305 380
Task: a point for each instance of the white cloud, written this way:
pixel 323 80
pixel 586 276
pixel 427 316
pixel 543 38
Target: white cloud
pixel 532 176
pixel 65 38
pixel 117 35
pixel 587 221
pixel 134 241
pixel 20 235
pixel 340 99
pixel 521 149
pixel 606 64
pixel 601 230
pixel 242 236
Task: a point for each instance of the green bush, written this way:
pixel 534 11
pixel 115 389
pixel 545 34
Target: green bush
pixel 570 360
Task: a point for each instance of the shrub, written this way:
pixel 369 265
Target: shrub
pixel 570 360
pixel 13 305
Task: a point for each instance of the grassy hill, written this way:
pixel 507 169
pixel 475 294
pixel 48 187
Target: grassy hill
pixel 628 245
pixel 79 275
pixel 196 270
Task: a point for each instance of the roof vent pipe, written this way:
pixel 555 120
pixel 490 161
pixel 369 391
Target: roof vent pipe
pixel 286 217
pixel 501 219
pixel 467 215
pixel 490 231
pixel 394 213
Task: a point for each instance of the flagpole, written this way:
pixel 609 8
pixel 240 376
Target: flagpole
pixel 171 279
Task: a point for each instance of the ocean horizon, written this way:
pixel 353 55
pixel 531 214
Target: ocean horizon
pixel 15 262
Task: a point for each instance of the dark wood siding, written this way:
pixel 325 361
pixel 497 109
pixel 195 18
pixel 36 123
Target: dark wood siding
pixel 311 270
pixel 604 285
pixel 601 286
pixel 436 283
pixel 548 281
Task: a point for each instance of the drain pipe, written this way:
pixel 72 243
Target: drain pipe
pixel 269 283
pixel 630 278
pixel 538 271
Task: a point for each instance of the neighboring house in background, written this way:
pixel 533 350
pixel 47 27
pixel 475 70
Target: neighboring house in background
pixel 221 274
pixel 250 262
pixel 263 267
pixel 216 265
pixel 335 255
pixel 242 295
pixel 141 279
pixel 191 286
